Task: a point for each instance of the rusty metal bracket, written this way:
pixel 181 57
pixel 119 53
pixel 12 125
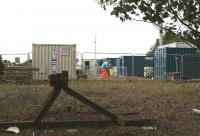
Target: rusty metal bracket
pixel 60 82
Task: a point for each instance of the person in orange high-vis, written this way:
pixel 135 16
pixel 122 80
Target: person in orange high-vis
pixel 104 71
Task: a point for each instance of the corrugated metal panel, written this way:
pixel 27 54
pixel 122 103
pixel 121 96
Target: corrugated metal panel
pixel 138 65
pixel 135 64
pixel 65 56
pixel 139 62
pixel 185 61
pixel 127 62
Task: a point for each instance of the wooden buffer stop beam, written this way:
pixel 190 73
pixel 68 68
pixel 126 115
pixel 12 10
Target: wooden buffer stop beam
pixel 60 82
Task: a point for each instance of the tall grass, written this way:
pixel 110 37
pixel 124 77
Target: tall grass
pixel 103 93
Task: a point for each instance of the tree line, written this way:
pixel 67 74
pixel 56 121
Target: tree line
pixel 178 17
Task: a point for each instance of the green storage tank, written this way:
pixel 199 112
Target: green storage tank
pixel 135 64
pixel 184 62
pixel 138 65
pixel 126 62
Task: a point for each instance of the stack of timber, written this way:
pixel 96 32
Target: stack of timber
pixel 19 74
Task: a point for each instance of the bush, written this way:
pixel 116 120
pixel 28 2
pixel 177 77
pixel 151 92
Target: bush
pixel 1 66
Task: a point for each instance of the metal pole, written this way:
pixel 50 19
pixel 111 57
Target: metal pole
pixel 95 45
pixel 161 35
pixel 181 67
pixel 81 63
pixel 95 50
pixel 28 59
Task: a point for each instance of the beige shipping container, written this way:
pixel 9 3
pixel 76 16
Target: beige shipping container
pixel 53 58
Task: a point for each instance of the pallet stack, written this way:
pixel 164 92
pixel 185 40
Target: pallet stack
pixel 19 74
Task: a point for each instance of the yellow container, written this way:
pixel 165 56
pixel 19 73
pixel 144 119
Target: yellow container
pixel 111 72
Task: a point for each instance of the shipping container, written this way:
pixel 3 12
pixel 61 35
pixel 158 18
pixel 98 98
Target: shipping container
pixel 52 59
pixel 184 62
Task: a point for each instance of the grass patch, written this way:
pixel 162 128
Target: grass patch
pixel 171 114
pixel 101 92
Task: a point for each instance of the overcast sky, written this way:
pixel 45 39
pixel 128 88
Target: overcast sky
pixel 23 22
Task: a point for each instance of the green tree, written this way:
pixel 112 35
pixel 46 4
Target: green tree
pixel 153 48
pixel 28 62
pixel 168 38
pixel 180 17
pixel 1 65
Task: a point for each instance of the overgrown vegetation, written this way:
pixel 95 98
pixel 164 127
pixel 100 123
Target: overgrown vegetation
pixel 1 66
pixel 168 38
pixel 171 103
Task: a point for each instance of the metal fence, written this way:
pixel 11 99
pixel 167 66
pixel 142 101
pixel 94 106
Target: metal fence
pixel 176 66
pixel 95 72
pixel 190 66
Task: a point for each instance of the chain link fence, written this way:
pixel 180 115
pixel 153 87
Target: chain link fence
pixel 93 72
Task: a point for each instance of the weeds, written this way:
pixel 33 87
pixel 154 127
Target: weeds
pixel 150 98
pixel 3 106
pixel 171 114
pixel 99 101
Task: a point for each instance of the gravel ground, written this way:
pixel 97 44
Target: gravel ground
pixel 171 103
